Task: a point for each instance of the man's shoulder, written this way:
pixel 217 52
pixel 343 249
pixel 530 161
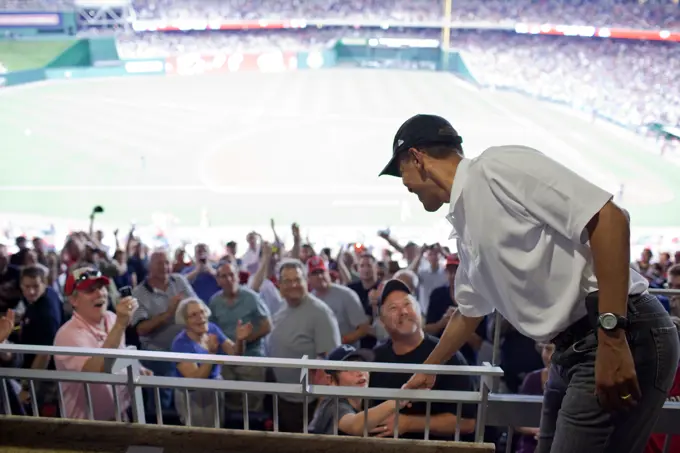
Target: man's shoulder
pixel 69 333
pixel 343 290
pixel 247 293
pixel 316 304
pixel 216 298
pixel 383 351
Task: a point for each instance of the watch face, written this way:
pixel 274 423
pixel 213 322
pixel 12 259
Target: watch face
pixel 608 321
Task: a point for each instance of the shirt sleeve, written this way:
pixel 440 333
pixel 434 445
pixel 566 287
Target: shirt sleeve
pixel 215 330
pixel 470 303
pixel 187 289
pixel 529 183
pixel 326 332
pixel 355 311
pixel 260 311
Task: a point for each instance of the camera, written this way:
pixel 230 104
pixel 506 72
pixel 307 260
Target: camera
pixel 125 291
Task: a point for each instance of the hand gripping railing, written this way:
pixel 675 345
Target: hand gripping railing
pixel 134 382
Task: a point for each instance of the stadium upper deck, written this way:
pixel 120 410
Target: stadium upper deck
pixel 626 13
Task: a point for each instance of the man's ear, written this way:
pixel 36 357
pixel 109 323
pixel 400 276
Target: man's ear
pixel 418 158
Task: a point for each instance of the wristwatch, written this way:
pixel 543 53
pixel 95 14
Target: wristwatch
pixel 610 322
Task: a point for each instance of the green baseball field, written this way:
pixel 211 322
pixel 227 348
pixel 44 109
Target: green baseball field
pixel 306 146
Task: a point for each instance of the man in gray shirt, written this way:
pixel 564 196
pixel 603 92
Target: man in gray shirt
pixel 353 322
pixel 303 326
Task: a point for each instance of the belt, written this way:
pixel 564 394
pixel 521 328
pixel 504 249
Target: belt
pixel 587 324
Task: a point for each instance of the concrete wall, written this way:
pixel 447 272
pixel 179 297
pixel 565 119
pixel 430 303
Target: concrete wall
pixel 33 435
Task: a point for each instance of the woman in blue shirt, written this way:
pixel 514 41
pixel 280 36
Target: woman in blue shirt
pixel 202 337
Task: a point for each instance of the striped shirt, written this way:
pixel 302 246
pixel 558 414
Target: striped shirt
pixel 153 302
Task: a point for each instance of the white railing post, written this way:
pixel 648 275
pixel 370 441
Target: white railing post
pixel 135 391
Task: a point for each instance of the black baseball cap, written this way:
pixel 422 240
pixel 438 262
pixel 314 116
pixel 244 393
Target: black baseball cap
pixel 346 352
pixel 419 131
pixel 390 287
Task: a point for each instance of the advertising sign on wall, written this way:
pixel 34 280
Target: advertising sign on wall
pixel 195 64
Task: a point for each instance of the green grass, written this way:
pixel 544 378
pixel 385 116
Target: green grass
pixel 299 146
pixel 22 55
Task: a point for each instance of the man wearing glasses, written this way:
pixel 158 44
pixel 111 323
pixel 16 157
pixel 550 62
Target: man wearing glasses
pixel 92 326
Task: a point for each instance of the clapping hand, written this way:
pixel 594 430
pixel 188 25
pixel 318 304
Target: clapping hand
pixel 243 331
pixel 6 325
pixel 213 345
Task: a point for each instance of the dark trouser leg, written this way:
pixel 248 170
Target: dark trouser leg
pixel 581 425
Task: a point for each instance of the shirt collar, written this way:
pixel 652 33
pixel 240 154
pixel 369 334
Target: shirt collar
pixel 459 180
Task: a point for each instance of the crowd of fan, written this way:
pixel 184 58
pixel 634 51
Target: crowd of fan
pixel 660 13
pixel 626 13
pixel 629 81
pixel 267 301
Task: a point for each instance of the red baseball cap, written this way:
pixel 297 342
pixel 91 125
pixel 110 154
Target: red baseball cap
pixel 452 260
pixel 82 279
pixel 316 263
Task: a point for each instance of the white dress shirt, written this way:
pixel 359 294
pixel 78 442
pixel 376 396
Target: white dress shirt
pixel 519 219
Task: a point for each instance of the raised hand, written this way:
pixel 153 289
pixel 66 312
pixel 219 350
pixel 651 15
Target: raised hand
pixel 125 309
pixel 243 331
pixel 7 325
pixel 213 344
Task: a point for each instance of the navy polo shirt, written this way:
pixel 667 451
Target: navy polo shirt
pixel 40 323
pixel 440 301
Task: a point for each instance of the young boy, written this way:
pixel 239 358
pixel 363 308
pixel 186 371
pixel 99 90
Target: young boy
pixel 351 415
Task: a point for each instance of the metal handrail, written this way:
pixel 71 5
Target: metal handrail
pixel 491 371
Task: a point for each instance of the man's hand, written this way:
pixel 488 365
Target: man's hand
pixel 174 303
pixel 616 383
pixel 420 381
pixel 243 331
pixel 124 310
pixel 6 325
pixel 145 372
pixel 295 229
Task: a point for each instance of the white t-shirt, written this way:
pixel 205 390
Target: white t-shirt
pixel 519 219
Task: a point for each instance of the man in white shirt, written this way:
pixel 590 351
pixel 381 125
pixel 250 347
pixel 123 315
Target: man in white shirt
pixel 550 252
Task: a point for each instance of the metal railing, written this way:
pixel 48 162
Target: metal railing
pixel 134 382
pixel 493 409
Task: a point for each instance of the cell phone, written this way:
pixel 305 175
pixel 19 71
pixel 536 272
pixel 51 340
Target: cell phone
pixel 125 291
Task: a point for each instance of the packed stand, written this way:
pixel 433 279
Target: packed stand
pixel 657 14
pixel 36 5
pixel 629 81
pixel 622 13
pixel 357 304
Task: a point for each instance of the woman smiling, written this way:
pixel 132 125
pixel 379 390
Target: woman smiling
pixel 202 337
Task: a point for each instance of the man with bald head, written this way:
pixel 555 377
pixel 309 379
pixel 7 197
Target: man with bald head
pixel 234 303
pixel 158 296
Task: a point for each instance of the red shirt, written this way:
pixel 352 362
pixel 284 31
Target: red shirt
pixel 656 441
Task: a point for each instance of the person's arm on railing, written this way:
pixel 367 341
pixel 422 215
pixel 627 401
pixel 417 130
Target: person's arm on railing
pixel 353 424
pixel 458 330
pixel 440 425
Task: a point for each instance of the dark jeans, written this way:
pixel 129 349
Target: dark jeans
pixel 573 421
